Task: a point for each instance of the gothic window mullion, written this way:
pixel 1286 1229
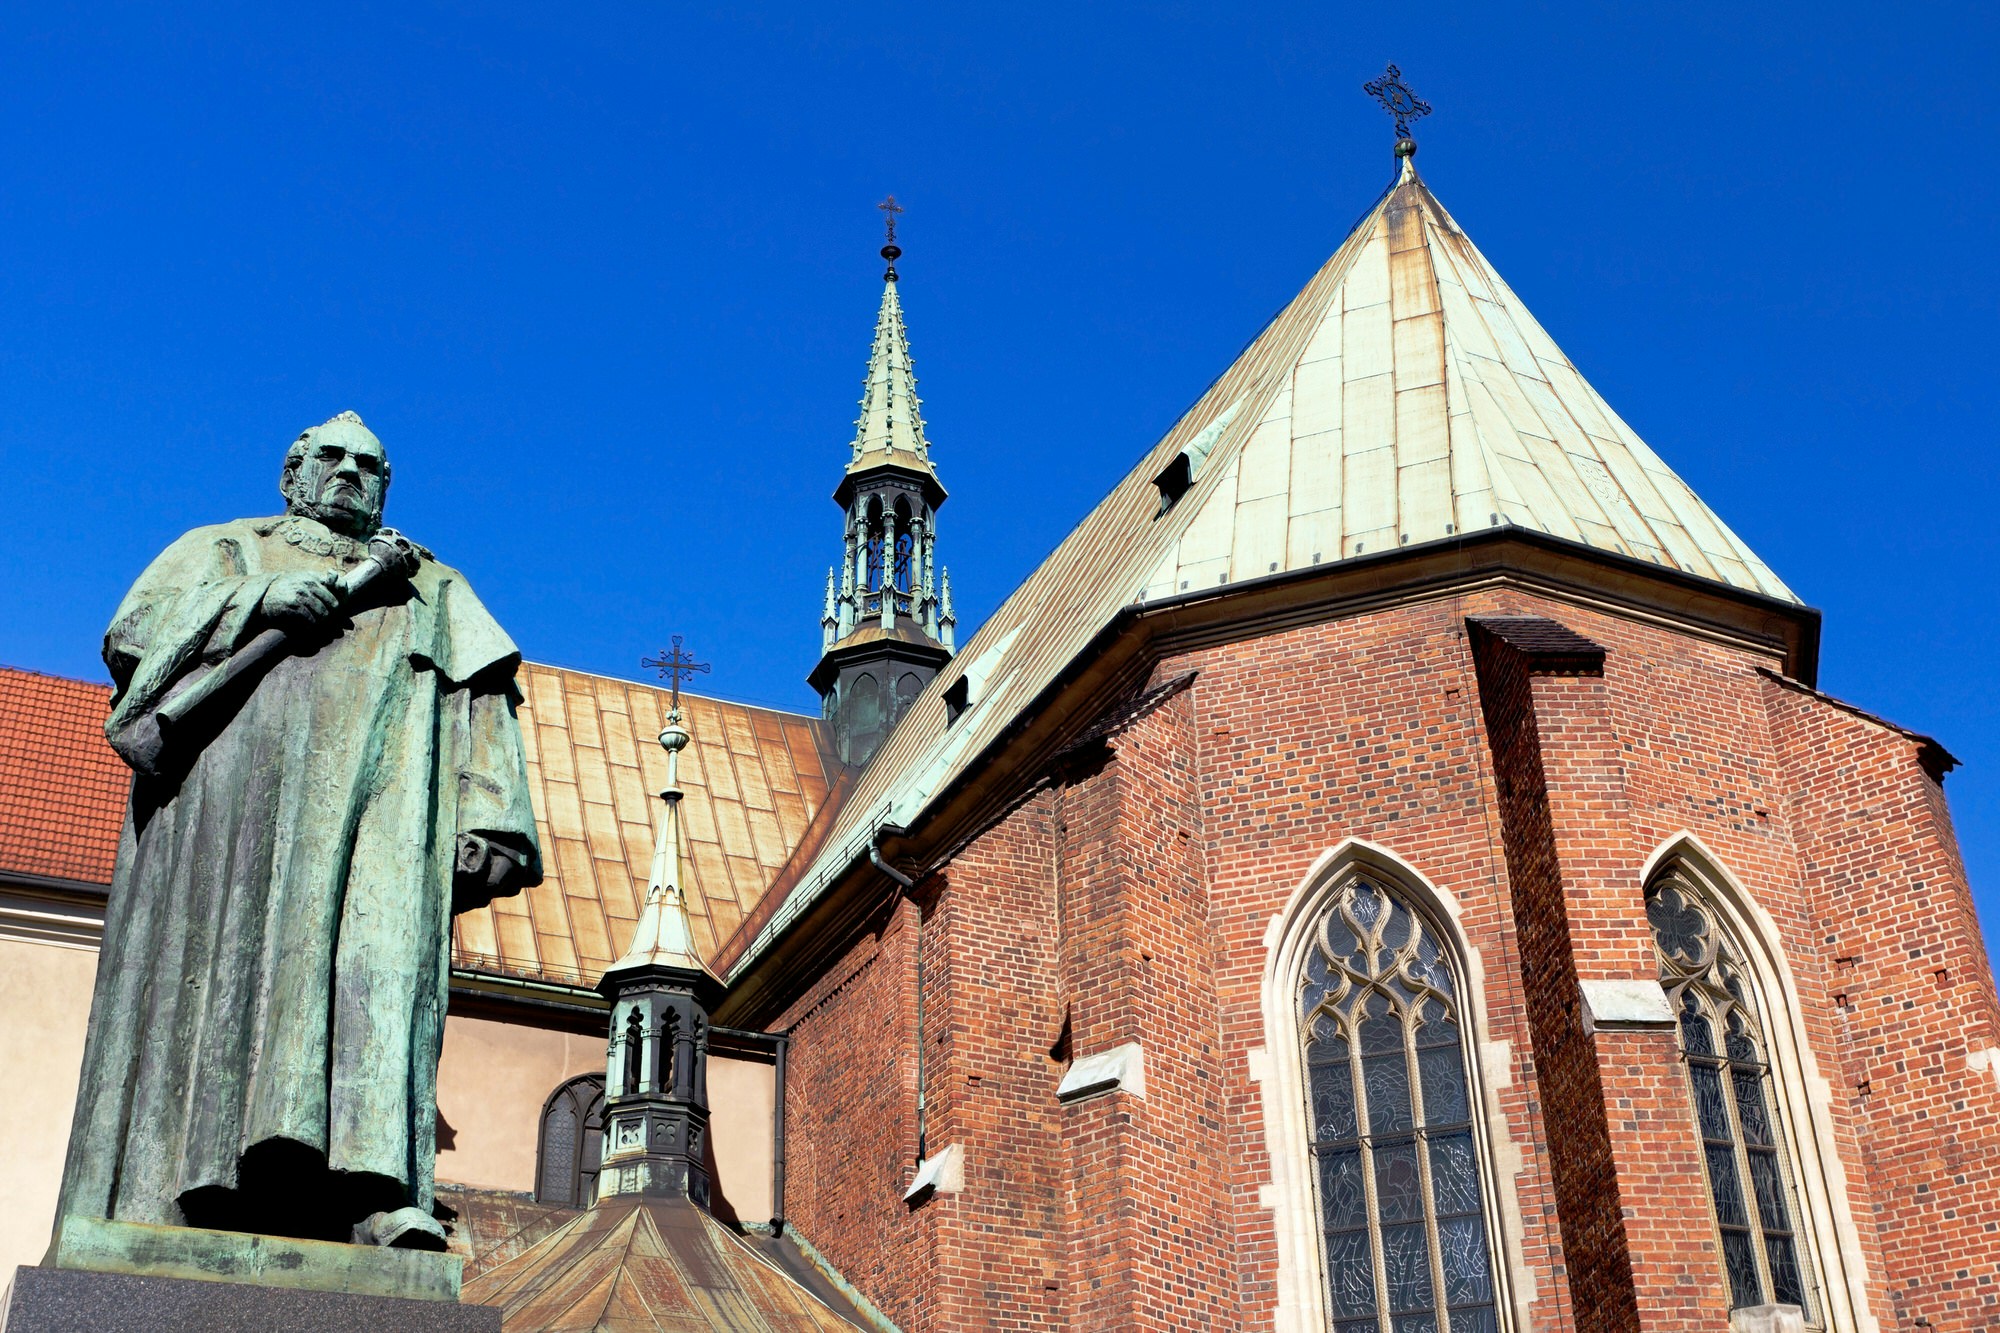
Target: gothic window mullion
pixel 1434 1246
pixel 1365 1155
pixel 1735 1108
pixel 1746 1181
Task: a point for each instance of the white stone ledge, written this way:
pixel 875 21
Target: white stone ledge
pixel 1626 1006
pixel 943 1172
pixel 1120 1069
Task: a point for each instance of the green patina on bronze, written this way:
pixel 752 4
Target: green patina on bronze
pixel 327 767
pixel 267 1261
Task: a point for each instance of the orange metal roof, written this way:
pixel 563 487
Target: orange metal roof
pixel 754 778
pixel 62 790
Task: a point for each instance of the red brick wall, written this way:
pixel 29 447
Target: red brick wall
pixel 1912 995
pixel 1133 898
pixel 850 1125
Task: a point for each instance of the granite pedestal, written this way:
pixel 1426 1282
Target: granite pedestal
pixel 121 1275
pixel 63 1300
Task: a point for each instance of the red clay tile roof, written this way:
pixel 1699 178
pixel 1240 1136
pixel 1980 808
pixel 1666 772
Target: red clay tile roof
pixel 62 790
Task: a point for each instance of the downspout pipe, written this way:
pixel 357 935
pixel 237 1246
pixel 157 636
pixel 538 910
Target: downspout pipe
pixel 907 884
pixel 778 1139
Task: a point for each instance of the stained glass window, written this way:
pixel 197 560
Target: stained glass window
pixel 1390 1111
pixel 1729 1080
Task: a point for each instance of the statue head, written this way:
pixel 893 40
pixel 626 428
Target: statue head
pixel 337 473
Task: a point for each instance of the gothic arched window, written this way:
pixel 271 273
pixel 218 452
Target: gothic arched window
pixel 571 1143
pixel 1735 1107
pixel 1390 1110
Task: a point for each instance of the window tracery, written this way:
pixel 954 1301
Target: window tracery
pixel 1724 1050
pixel 1390 1116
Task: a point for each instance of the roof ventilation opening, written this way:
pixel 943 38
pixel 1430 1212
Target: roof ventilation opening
pixel 956 696
pixel 1174 482
pixel 1178 475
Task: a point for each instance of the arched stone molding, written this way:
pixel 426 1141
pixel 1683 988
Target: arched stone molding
pixel 1805 1098
pixel 1278 1067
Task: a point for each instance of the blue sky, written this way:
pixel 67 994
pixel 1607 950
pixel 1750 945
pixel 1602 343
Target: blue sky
pixel 603 279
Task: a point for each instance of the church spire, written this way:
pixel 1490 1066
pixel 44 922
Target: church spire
pixel 891 420
pixel 656 1076
pixel 887 625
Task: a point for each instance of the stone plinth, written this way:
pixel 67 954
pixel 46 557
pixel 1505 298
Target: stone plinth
pixel 60 1300
pixel 131 1248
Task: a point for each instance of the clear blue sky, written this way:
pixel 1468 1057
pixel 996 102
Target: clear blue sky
pixel 603 279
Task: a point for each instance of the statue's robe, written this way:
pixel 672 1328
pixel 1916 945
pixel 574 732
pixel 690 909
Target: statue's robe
pixel 270 998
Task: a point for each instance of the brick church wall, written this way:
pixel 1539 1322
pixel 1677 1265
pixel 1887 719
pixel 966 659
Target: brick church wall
pixel 1912 1005
pixel 1132 901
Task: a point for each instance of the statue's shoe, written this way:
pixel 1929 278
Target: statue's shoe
pixel 406 1229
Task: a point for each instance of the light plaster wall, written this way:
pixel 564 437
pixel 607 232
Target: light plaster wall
pixel 492 1080
pixel 44 1008
pixel 494 1077
pixel 741 1098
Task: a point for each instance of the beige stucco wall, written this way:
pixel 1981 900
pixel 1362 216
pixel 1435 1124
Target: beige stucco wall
pixel 492 1081
pixel 44 1007
pixel 495 1076
pixel 741 1094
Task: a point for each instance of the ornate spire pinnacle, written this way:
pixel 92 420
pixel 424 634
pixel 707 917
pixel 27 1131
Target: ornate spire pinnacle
pixel 1400 102
pixel 663 936
pixel 947 618
pixel 891 419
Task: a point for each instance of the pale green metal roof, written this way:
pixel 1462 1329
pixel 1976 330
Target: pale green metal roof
pixel 891 425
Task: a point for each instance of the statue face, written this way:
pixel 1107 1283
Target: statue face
pixel 338 474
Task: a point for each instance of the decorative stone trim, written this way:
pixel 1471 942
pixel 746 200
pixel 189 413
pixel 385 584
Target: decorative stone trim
pixel 943 1172
pixel 1120 1069
pixel 1626 1006
pixel 1988 1060
pixel 1767 1319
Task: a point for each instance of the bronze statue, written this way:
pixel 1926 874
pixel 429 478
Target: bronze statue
pixel 327 766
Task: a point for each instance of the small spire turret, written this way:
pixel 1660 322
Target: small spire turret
pixel 656 1069
pixel 885 632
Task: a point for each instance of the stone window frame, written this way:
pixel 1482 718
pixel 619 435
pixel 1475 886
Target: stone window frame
pixel 1836 1265
pixel 1279 1067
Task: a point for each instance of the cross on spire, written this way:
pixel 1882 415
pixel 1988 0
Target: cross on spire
pixel 674 664
pixel 890 208
pixel 1397 99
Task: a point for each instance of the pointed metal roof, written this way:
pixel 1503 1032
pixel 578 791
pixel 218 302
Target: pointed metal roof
pixel 1425 401
pixel 663 936
pixel 890 428
pixel 1405 396
pixel 636 1266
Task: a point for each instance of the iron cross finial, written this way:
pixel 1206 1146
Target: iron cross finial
pixel 890 208
pixel 1397 99
pixel 675 664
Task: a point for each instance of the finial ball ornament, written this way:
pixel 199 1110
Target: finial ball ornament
pixel 674 737
pixel 1406 148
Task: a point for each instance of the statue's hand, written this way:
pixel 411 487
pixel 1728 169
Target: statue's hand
pixel 485 869
pixel 308 598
